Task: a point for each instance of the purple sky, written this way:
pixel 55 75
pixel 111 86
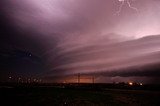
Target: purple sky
pixel 89 36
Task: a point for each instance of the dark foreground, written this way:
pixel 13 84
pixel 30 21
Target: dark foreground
pixel 60 96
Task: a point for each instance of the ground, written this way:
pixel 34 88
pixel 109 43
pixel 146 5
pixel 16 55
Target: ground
pixel 52 96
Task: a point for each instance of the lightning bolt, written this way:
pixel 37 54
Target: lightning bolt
pixel 131 7
pixel 123 3
pixel 120 7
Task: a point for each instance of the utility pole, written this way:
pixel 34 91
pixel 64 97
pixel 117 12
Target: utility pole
pixel 93 79
pixel 78 78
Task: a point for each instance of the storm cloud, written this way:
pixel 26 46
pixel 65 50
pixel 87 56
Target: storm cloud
pixel 87 36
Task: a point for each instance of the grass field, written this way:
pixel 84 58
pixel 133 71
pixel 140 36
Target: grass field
pixel 51 96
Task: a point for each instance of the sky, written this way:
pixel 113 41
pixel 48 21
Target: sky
pixel 114 40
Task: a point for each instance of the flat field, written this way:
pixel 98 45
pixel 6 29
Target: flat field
pixel 52 96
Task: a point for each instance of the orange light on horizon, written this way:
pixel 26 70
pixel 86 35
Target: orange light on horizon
pixel 130 83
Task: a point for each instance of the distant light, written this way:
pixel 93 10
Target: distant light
pixel 65 103
pixel 10 77
pixel 34 80
pixel 130 83
pixel 141 84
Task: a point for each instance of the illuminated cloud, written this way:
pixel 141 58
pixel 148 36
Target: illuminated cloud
pixel 85 36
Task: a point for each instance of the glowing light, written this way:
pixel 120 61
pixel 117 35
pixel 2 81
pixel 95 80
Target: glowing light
pixel 10 77
pixel 123 3
pixel 141 84
pixel 34 80
pixel 130 83
pixel 65 103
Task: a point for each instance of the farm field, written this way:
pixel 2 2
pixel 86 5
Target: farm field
pixel 52 96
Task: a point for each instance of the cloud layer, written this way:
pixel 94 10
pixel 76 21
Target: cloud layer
pixel 86 36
